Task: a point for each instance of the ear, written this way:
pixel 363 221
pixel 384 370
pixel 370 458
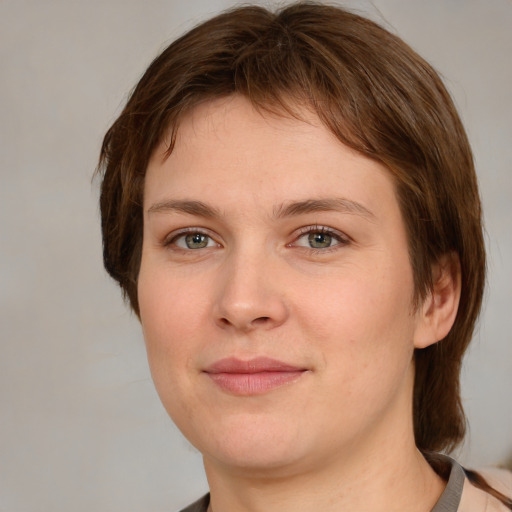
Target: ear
pixel 437 313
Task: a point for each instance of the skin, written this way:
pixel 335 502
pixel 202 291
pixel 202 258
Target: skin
pixel 340 434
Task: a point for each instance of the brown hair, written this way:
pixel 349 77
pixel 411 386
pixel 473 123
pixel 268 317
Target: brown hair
pixel 377 96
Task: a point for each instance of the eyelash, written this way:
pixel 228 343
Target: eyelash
pixel 174 237
pixel 341 239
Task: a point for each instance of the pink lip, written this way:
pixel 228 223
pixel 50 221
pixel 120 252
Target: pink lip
pixel 253 377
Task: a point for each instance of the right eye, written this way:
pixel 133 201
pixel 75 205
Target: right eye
pixel 193 240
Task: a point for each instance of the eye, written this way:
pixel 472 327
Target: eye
pixel 193 240
pixel 319 238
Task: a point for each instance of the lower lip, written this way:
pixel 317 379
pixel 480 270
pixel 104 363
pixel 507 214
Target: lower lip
pixel 247 384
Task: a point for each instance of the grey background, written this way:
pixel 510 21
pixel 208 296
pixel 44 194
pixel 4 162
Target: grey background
pixel 81 427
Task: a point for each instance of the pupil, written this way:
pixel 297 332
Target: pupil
pixel 320 240
pixel 196 241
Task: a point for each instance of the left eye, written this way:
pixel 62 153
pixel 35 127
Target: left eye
pixel 194 241
pixel 318 239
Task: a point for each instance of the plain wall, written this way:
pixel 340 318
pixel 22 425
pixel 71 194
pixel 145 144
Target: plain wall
pixel 81 427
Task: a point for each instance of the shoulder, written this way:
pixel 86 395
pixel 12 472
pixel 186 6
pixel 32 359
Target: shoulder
pixel 500 479
pixel 201 505
pixel 476 500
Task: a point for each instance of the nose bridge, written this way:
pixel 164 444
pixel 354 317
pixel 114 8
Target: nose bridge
pixel 249 294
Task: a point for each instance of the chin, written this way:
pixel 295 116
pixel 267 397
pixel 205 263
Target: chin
pixel 252 445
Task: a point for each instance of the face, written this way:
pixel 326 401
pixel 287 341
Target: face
pixel 275 291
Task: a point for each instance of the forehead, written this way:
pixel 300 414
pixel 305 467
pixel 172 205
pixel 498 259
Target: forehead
pixel 211 121
pixel 228 144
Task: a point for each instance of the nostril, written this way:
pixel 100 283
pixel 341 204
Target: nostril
pixel 261 320
pixel 251 324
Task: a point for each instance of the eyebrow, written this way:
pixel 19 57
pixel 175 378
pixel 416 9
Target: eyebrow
pixel 197 208
pixel 335 204
pixel 290 209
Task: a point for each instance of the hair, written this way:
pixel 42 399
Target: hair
pixel 377 96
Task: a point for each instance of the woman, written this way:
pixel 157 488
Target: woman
pixel 289 204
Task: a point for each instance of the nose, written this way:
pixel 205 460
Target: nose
pixel 250 295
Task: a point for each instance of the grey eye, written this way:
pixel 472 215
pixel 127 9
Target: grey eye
pixel 196 240
pixel 193 240
pixel 318 240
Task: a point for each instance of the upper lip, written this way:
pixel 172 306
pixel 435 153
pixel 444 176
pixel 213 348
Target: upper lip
pixel 255 365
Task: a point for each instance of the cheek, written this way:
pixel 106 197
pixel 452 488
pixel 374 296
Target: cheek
pixel 364 331
pixel 357 300
pixel 171 305
pixel 171 314
pixel 362 323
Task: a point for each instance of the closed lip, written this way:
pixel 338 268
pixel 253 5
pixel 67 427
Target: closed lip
pixel 255 365
pixel 255 376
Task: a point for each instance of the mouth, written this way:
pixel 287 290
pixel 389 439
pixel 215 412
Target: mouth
pixel 253 377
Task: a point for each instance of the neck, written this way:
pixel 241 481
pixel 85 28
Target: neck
pixel 374 481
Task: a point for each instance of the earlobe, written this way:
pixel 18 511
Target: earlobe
pixel 439 309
